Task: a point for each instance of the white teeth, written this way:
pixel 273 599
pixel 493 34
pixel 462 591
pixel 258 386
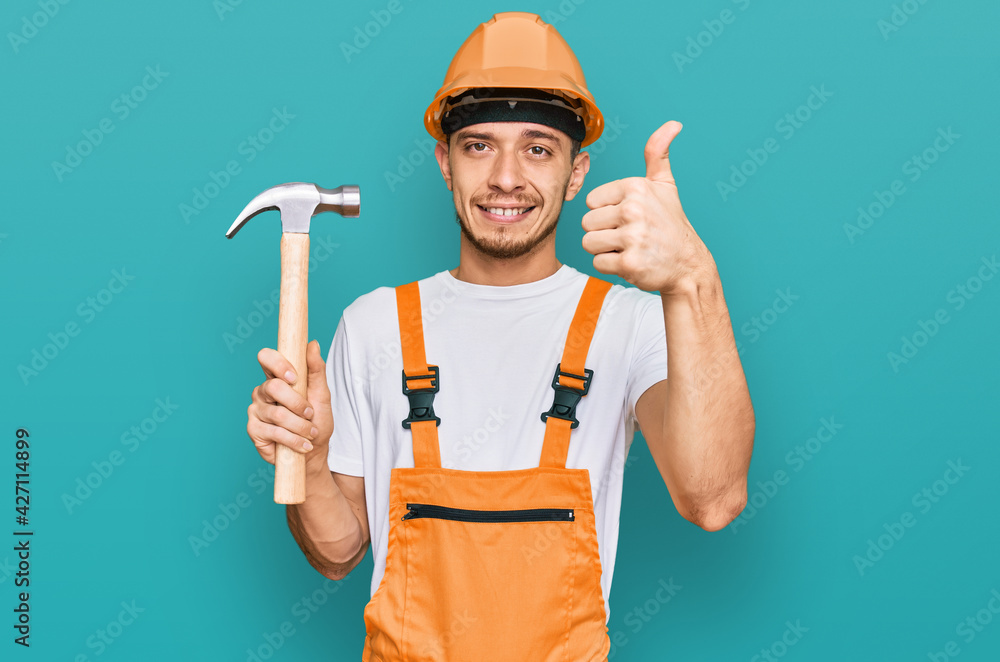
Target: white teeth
pixel 506 212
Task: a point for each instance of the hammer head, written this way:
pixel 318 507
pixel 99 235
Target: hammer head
pixel 298 202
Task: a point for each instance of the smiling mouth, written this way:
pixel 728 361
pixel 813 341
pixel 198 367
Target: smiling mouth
pixel 501 215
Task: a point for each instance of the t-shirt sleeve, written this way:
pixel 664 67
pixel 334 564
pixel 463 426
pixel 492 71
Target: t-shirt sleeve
pixel 345 454
pixel 649 355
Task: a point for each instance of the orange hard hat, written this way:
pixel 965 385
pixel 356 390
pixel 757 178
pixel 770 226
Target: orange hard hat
pixel 517 50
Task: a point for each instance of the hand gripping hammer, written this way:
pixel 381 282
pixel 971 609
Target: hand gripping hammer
pixel 297 202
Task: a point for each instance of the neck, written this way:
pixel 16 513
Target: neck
pixel 484 270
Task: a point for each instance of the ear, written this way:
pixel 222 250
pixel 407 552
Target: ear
pixel 441 154
pixel 581 166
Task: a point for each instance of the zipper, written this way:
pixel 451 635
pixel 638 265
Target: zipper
pixel 461 514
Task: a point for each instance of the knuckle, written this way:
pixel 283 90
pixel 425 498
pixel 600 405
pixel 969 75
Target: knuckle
pixel 632 208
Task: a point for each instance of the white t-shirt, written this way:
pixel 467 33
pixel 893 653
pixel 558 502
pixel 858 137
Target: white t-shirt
pixel 497 348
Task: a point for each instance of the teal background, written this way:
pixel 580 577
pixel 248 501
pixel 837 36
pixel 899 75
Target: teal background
pixel 792 558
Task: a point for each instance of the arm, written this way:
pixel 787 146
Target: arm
pixel 699 423
pixel 331 526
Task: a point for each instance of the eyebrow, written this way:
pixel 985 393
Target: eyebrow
pixel 527 133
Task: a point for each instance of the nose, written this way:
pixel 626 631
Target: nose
pixel 507 174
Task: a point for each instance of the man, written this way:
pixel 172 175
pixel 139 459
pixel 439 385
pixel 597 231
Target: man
pixel 494 505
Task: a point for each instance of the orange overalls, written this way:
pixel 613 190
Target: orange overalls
pixel 487 566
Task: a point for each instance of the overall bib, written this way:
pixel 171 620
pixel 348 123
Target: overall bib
pixel 490 566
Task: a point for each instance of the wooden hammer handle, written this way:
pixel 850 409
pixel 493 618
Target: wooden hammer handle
pixel 293 330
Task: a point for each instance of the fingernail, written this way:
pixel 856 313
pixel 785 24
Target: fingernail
pixel 313 432
pixel 308 412
pixel 290 377
pixel 307 446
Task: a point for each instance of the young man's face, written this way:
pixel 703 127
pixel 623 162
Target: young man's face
pixel 518 166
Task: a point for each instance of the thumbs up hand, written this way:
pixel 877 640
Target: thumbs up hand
pixel 636 228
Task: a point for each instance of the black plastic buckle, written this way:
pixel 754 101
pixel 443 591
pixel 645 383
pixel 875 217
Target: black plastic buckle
pixel 421 399
pixel 567 397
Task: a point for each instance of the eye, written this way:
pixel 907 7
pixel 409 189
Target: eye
pixel 544 151
pixel 473 145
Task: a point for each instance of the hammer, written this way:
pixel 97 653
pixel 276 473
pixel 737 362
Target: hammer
pixel 297 202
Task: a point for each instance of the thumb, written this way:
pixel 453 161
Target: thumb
pixel 657 153
pixel 317 368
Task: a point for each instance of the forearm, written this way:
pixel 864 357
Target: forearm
pixel 708 427
pixel 325 525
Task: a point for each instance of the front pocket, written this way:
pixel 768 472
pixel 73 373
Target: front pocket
pixel 416 510
pixel 488 585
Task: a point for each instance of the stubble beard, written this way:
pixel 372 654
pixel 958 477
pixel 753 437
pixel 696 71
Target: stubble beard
pixel 500 244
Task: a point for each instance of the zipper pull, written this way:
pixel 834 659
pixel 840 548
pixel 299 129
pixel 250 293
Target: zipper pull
pixel 411 511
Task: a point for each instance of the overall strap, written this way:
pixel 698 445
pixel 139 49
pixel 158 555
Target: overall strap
pixel 571 380
pixel 420 380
